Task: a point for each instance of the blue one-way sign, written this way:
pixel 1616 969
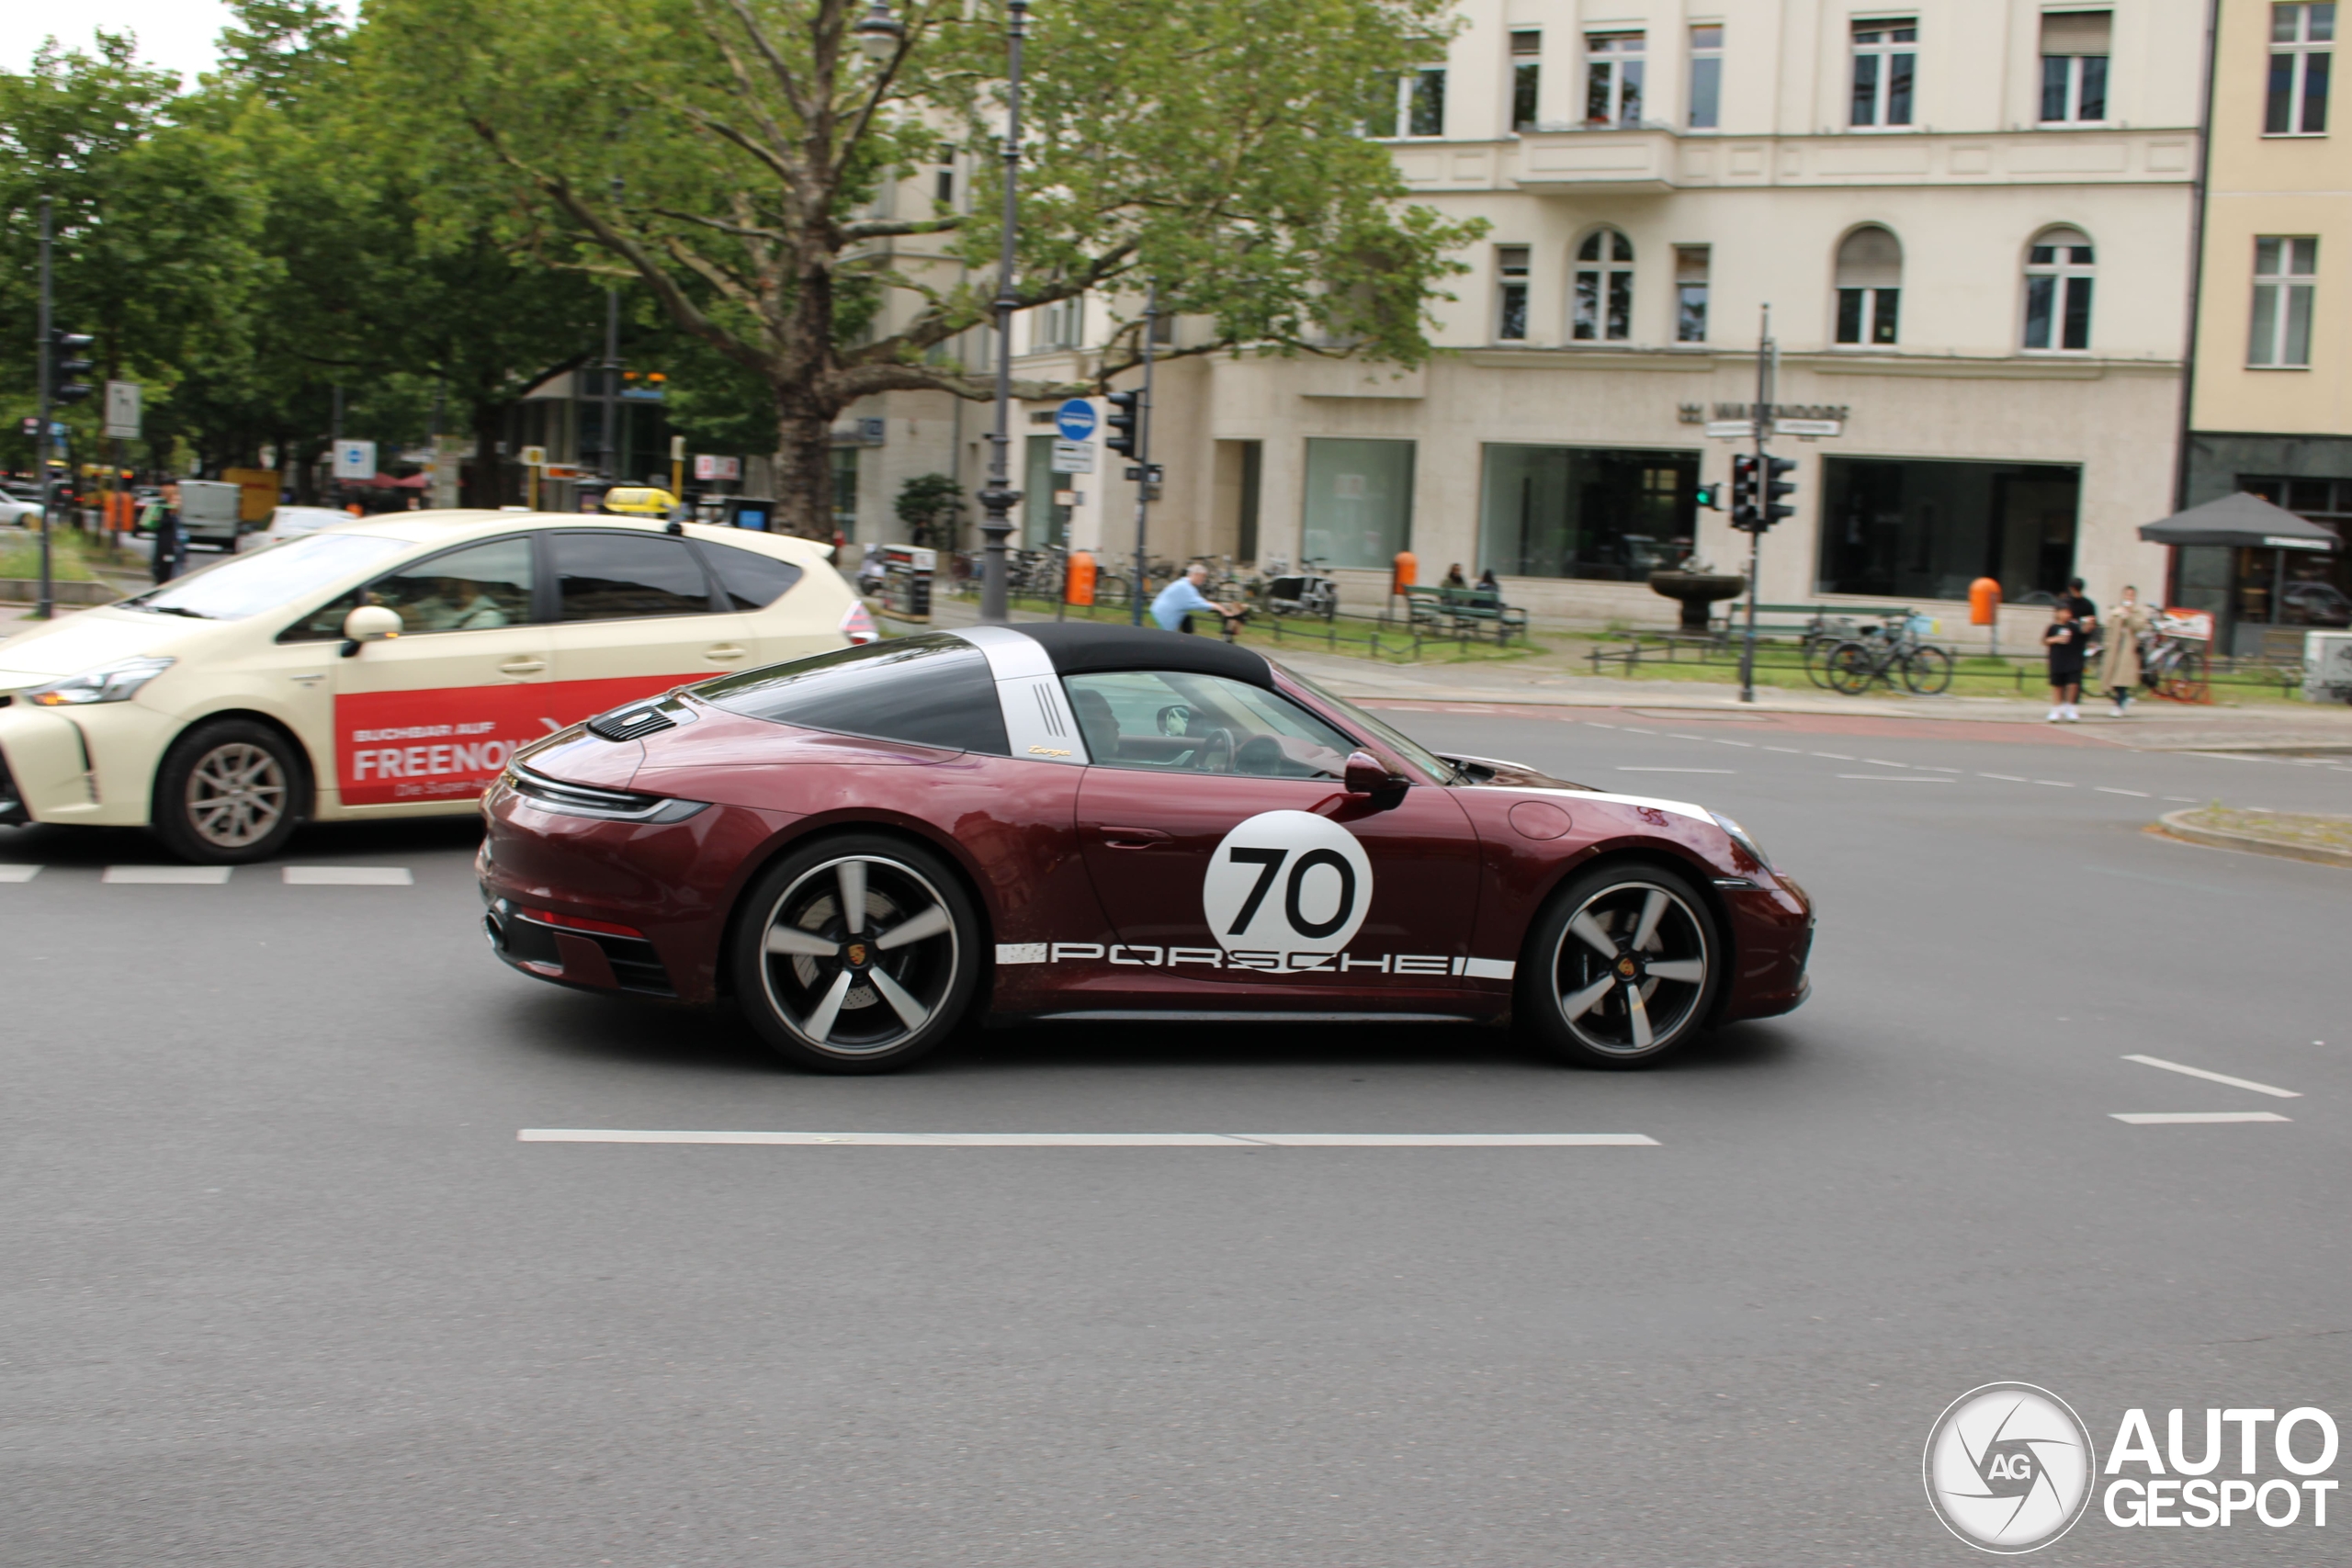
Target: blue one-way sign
pixel 1075 419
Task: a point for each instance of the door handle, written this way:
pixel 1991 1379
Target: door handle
pixel 523 666
pixel 1133 838
pixel 723 650
pixel 312 677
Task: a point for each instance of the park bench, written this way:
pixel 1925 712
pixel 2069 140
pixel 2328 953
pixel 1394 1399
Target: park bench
pixel 1790 622
pixel 1465 610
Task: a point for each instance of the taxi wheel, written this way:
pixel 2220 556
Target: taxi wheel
pixel 1621 967
pixel 230 791
pixel 857 954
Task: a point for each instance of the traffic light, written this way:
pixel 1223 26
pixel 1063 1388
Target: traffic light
pixel 1775 488
pixel 65 363
pixel 1745 516
pixel 1126 408
pixel 1709 496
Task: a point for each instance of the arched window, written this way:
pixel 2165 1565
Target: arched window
pixel 1604 302
pixel 2058 290
pixel 1869 286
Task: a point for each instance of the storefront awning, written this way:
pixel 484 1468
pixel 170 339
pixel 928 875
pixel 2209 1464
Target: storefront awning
pixel 2240 519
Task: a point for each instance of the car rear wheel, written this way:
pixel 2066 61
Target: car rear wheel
pixel 1621 968
pixel 857 954
pixel 230 791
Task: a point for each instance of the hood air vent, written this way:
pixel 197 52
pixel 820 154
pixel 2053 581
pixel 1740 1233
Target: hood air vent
pixel 631 723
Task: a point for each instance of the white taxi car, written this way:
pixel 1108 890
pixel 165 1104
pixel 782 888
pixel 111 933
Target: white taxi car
pixel 384 668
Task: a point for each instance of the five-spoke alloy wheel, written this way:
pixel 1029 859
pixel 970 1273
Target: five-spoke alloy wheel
pixel 856 953
pixel 1621 967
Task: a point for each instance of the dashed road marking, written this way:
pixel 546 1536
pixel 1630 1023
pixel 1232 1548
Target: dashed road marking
pixel 349 876
pixel 2215 1077
pixel 1883 762
pixel 1721 741
pixel 2110 789
pixel 2180 799
pixel 1834 756
pixel 2004 778
pixel 1785 751
pixel 1100 1140
pixel 1893 778
pixel 18 873
pixel 168 876
pixel 2054 783
pixel 2175 1118
pixel 1676 770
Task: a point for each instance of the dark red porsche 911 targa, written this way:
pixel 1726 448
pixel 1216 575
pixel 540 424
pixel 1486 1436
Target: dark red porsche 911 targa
pixel 1080 821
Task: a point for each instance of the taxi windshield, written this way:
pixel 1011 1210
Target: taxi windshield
pixel 266 579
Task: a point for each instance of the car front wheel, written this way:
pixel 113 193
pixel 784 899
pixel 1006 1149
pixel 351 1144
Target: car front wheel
pixel 856 955
pixel 1621 967
pixel 230 791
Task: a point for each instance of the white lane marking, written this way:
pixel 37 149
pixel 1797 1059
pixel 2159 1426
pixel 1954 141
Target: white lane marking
pixel 349 876
pixel 1678 735
pixel 1934 768
pixel 1635 730
pixel 1100 1140
pixel 1785 751
pixel 1883 762
pixel 1676 770
pixel 1892 778
pixel 2004 778
pixel 2054 783
pixel 1597 725
pixel 179 875
pixel 2171 1118
pixel 1721 741
pixel 18 873
pixel 2215 1077
pixel 2180 799
pixel 1834 756
pixel 2110 789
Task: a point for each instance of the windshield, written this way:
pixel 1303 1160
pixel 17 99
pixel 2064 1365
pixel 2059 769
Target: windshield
pixel 266 579
pixel 1427 762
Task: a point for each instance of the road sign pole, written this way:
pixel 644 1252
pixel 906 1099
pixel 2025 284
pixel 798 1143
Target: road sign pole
pixel 47 606
pixel 1763 411
pixel 1143 449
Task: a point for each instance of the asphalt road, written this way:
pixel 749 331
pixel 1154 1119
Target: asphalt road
pixel 283 1288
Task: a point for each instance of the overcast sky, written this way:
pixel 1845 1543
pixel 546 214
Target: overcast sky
pixel 177 34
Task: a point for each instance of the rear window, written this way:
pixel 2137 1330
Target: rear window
pixel 926 691
pixel 752 581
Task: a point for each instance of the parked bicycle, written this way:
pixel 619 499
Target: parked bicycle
pixel 1881 653
pixel 1308 592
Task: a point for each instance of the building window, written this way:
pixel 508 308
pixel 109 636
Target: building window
pixel 1706 75
pixel 1526 78
pixel 1869 286
pixel 1607 515
pixel 1359 501
pixel 1604 300
pixel 1419 106
pixel 2301 39
pixel 2075 46
pixel 1510 293
pixel 1612 79
pixel 845 492
pixel 943 190
pixel 1917 529
pixel 1884 55
pixel 1056 325
pixel 2058 290
pixel 1690 293
pixel 2283 268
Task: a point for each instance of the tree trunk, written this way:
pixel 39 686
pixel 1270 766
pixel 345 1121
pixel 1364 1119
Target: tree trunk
pixel 804 466
pixel 480 479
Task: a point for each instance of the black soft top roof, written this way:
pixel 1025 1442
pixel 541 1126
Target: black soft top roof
pixel 1081 648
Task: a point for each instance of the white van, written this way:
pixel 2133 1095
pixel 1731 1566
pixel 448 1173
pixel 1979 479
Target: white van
pixel 208 513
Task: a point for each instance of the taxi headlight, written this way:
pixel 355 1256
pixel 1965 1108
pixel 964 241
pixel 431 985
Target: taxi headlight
pixel 113 682
pixel 1740 835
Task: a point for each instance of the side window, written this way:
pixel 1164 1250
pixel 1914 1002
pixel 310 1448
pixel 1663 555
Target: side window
pixel 618 576
pixel 752 581
pixel 325 623
pixel 466 590
pixel 1202 724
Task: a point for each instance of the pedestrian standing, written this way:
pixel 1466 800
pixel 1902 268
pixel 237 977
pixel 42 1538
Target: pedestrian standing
pixel 171 546
pixel 2065 640
pixel 2086 612
pixel 2120 673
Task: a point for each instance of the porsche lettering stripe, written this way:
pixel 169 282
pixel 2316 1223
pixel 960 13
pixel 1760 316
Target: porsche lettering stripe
pixel 1269 962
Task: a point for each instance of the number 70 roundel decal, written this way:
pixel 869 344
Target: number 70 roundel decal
pixel 1289 881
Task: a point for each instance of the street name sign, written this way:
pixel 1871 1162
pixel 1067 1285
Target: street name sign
pixel 1073 457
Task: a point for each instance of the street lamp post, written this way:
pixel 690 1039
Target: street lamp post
pixel 997 501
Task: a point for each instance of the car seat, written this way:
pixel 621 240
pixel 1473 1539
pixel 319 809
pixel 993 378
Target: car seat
pixel 1097 723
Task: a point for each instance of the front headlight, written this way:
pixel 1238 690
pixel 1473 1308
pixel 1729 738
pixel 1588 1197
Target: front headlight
pixel 1739 836
pixel 113 682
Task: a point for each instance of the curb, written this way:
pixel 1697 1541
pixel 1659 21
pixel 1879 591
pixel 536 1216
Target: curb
pixel 2172 824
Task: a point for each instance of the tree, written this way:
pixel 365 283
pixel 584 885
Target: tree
pixel 726 155
pixel 932 506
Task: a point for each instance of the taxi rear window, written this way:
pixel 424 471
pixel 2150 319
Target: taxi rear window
pixel 926 691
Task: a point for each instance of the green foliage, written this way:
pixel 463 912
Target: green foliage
pixel 932 506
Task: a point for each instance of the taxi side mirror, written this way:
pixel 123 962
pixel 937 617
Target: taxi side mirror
pixel 1365 775
pixel 368 623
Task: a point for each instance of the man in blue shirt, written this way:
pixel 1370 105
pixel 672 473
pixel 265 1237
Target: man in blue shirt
pixel 1174 606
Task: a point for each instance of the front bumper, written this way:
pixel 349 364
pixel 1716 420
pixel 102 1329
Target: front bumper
pixel 1772 930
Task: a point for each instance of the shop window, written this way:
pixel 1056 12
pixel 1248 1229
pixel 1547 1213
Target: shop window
pixel 1359 501
pixel 2281 334
pixel 1526 78
pixel 1885 54
pixel 1510 293
pixel 1869 286
pixel 1690 263
pixel 2311 588
pixel 2303 44
pixel 2058 290
pixel 2075 51
pixel 1603 308
pixel 1926 529
pixel 1602 514
pixel 1706 76
pixel 1612 79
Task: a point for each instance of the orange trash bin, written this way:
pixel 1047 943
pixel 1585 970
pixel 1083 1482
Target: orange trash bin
pixel 1081 579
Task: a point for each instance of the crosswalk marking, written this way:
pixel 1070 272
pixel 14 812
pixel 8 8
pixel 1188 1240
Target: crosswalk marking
pixel 18 873
pixel 2215 1077
pixel 349 876
pixel 168 876
pixel 1100 1140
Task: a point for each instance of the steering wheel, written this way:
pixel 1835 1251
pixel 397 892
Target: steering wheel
pixel 1174 717
pixel 1215 755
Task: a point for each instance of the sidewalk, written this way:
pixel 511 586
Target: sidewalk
pixel 2151 725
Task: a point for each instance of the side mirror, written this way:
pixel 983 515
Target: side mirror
pixel 1366 776
pixel 368 623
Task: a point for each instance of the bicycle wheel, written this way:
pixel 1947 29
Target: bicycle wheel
pixel 1852 668
pixel 2185 682
pixel 1816 660
pixel 1927 671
